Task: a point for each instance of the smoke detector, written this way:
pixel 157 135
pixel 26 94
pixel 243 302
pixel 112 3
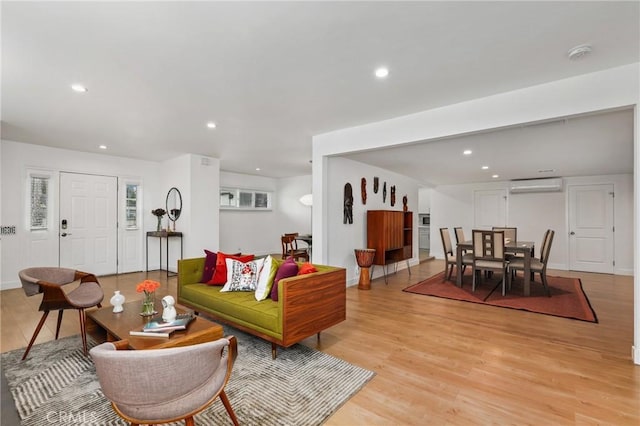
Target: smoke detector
pixel 578 52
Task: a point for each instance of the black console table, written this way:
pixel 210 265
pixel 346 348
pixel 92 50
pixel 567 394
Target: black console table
pixel 168 235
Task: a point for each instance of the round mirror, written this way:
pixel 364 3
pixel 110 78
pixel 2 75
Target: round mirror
pixel 174 204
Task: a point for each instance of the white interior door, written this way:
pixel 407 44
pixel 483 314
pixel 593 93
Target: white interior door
pixel 489 208
pixel 88 223
pixel 591 234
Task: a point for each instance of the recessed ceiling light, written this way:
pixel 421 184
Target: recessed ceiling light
pixel 467 152
pixel 382 72
pixel 485 167
pixel 257 169
pixel 495 176
pixel 102 147
pixel 211 125
pixel 78 88
pixel 579 52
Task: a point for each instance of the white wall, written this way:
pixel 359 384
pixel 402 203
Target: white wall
pixel 197 179
pixel 533 214
pixel 347 237
pixel 17 158
pixel 259 232
pixel 424 200
pixel 293 215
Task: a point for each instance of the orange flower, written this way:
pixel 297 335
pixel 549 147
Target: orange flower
pixel 148 286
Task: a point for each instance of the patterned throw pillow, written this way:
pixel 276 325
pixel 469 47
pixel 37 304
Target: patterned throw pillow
pixel 220 273
pixel 242 276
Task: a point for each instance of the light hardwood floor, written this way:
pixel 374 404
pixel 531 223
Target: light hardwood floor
pixel 441 361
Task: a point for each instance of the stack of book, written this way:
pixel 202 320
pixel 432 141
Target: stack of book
pixel 157 327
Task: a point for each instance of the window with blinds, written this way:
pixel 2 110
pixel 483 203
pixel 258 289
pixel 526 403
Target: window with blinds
pixel 245 199
pixel 39 202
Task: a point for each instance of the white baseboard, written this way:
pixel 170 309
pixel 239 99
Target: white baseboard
pixel 8 285
pixel 623 271
pixel 635 355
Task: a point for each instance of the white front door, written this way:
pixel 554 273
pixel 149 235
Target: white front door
pixel 489 208
pixel 88 223
pixel 591 228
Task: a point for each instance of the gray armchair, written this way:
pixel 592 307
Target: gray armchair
pixel 165 385
pixel 49 280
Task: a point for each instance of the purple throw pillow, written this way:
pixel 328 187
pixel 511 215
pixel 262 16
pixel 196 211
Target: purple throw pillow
pixel 288 269
pixel 209 266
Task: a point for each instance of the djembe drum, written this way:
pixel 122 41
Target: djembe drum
pixel 364 258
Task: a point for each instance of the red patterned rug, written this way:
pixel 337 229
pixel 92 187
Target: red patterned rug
pixel 568 299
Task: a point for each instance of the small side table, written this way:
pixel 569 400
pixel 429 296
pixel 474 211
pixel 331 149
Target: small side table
pixel 167 235
pixel 364 257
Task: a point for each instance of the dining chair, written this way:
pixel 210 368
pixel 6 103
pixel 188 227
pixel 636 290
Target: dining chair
pixel 49 282
pixel 459 233
pixel 537 265
pixel 290 248
pixel 510 233
pixel 450 255
pixel 155 386
pixel 488 255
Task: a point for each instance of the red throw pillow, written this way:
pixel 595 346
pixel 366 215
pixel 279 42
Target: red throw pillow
pixel 209 266
pixel 220 274
pixel 288 269
pixel 307 268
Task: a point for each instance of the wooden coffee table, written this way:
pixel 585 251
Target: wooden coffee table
pixel 105 326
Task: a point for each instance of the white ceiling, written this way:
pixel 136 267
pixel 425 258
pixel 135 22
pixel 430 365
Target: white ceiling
pixel 272 75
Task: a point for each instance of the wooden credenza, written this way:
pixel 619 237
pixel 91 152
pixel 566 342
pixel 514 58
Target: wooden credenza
pixel 391 234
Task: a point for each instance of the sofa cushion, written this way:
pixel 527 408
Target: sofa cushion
pixel 209 266
pixel 242 276
pixel 220 274
pixel 265 278
pixel 288 269
pixel 240 307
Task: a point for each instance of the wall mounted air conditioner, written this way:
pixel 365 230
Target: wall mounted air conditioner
pixel 535 185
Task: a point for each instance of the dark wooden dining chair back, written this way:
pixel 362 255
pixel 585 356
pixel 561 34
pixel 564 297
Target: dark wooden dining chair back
pixel 290 248
pixel 488 254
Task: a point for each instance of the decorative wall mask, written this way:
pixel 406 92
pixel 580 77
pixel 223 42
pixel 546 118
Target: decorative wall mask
pixel 384 192
pixel 405 207
pixel 393 195
pixel 363 190
pixel 348 204
pixel 375 184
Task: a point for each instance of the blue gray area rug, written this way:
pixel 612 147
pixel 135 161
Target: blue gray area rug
pixel 57 384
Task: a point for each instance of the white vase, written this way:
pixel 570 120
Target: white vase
pixel 117 300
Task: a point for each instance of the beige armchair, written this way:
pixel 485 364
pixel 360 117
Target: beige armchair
pixel 165 385
pixel 49 280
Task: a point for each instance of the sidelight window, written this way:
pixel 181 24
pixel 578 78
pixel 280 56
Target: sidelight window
pixel 39 202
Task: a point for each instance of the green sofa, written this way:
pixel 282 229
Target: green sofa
pixel 307 304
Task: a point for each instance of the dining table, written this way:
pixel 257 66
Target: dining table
pixel 513 247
